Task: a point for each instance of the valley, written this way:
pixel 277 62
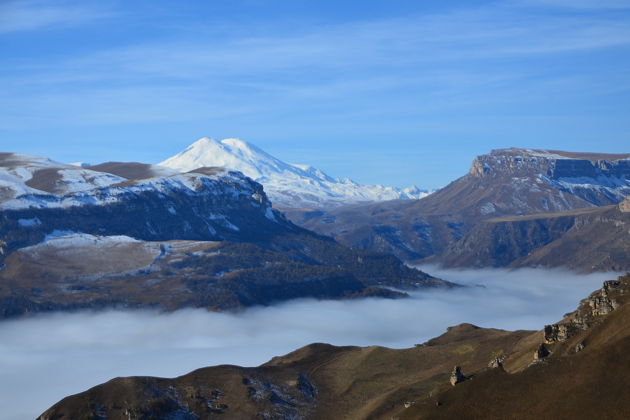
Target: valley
pixel 92 246
pixel 69 352
pixel 314 210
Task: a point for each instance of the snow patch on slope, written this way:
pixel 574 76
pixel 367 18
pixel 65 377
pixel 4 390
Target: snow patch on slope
pixel 290 185
pixel 21 175
pixel 64 186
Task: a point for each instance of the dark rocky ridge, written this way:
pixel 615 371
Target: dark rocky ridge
pixel 507 182
pixel 521 374
pixel 231 207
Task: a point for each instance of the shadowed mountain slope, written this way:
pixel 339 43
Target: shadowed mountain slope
pixel 594 239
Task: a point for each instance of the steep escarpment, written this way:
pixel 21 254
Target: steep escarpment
pixel 503 183
pixel 192 206
pixel 571 368
pixel 597 179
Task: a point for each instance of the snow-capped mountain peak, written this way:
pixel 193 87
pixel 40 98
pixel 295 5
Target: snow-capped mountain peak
pixel 289 185
pixel 229 153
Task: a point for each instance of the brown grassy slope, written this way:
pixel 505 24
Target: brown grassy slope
pixel 128 170
pixel 321 381
pixel 590 384
pixel 348 382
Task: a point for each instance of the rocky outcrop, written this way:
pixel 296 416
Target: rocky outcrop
pixel 541 352
pixel 598 304
pixel 562 332
pixel 457 376
pixel 584 377
pixel 553 164
pixel 624 206
pixel 497 362
pixel 579 347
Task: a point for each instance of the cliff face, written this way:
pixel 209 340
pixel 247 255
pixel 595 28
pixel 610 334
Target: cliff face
pixel 508 182
pixel 194 206
pixel 598 179
pixel 40 197
pixel 554 164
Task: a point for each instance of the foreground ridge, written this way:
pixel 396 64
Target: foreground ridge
pixel 507 375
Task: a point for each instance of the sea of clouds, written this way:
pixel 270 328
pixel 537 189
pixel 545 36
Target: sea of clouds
pixel 47 357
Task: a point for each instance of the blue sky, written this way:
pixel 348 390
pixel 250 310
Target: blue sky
pixel 397 92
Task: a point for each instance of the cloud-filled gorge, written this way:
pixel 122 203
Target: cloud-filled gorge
pixel 48 357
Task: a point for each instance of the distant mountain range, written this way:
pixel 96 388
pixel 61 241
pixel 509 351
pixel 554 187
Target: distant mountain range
pixel 134 235
pixel 128 234
pixel 287 185
pixel 474 221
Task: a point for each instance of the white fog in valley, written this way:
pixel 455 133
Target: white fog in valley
pixel 50 356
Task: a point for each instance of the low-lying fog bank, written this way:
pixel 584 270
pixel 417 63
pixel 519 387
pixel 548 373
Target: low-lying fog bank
pixel 48 357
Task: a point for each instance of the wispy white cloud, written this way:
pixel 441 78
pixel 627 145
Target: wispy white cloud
pixel 29 15
pixel 578 4
pixel 375 45
pixel 446 57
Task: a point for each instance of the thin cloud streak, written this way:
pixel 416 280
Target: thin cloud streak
pixel 33 15
pixel 577 4
pixel 398 42
pixel 345 61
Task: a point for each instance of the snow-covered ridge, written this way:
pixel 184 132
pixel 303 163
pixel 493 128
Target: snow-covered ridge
pixel 596 178
pixel 288 185
pixel 39 183
pixel 24 174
